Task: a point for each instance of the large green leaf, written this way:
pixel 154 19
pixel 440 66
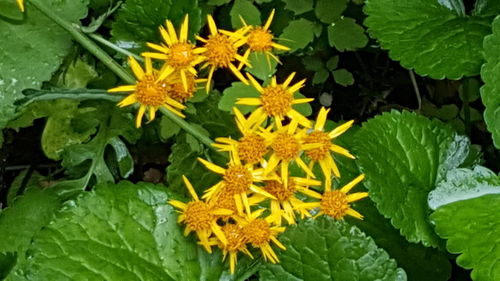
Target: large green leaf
pixel 463 184
pixel 403 156
pixel 36 42
pixel 490 74
pixel 137 21
pixel 472 228
pixel 324 249
pixel 118 232
pixel 433 37
pixel 418 261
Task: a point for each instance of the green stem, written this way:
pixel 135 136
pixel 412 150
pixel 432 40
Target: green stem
pixel 93 48
pixel 85 42
pixel 106 43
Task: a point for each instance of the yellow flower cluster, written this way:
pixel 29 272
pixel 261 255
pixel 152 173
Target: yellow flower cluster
pixel 257 195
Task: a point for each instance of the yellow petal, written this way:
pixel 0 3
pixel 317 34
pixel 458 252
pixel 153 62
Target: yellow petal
pixel 178 204
pixel 288 80
pixel 354 213
pixel 280 47
pixel 140 113
pixel 211 25
pixel 165 36
pixel 321 120
pixel 126 88
pixel 212 167
pixel 184 29
pixel 249 101
pixel 356 196
pixel 171 32
pixel 190 188
pixel 136 68
pixel 255 83
pixel 237 73
pixel 20 4
pixel 351 184
pixel 341 150
pixel 269 20
pixel 340 129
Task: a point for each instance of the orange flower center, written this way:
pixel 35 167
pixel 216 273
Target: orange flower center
pixel 177 92
pixel 276 100
pixel 149 92
pixel 220 50
pixel 285 146
pixel 234 235
pixel 257 232
pixel 251 148
pixel 321 152
pixel 238 179
pixel 279 191
pixel 225 200
pixel 198 216
pixel 334 203
pixel 181 55
pixel 260 40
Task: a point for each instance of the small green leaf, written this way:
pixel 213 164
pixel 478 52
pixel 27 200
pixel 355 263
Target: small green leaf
pixel 343 77
pixel 332 63
pixel 237 90
pixel 298 34
pixel 218 2
pixel 263 67
pixel 489 74
pixel 324 249
pixel 299 6
pixel 32 51
pixel 328 11
pixel 320 77
pixel 246 10
pixel 137 21
pixel 472 228
pixel 433 37
pixel 486 8
pixel 133 236
pixel 346 35
pixel 404 156
pixel 168 128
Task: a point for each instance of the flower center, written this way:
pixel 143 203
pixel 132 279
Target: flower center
pixel 149 92
pixel 279 191
pixel 220 50
pixel 177 92
pixel 260 40
pixel 334 203
pixel 238 179
pixel 181 55
pixel 198 216
pixel 257 232
pixel 251 148
pixel 286 146
pixel 321 152
pixel 276 100
pixel 225 201
pixel 235 239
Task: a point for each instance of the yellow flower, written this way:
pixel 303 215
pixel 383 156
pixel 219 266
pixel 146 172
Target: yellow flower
pixel 20 3
pixel 286 202
pixel 250 148
pixel 322 154
pixel 176 87
pixel 200 217
pixel 236 242
pixel 179 53
pixel 286 144
pixel 335 203
pixel 221 50
pixel 260 233
pixel 260 39
pixel 149 92
pixel 276 100
pixel 238 181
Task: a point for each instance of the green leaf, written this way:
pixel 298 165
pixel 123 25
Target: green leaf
pixel 263 67
pixel 324 249
pixel 133 236
pixel 320 77
pixel 463 184
pixel 26 179
pixel 489 74
pixel 343 77
pixel 246 10
pixel 432 38
pixel 346 35
pixel 237 90
pixel 298 34
pixel 77 75
pixel 137 21
pixel 35 37
pixel 404 156
pixel 472 228
pixel 418 261
pixel 299 6
pixel 486 8
pixel 168 128
pixel 328 11
pixel 218 2
pixel 7 263
pixel 332 63
pixel 304 108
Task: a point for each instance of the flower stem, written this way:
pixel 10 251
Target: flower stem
pixel 85 42
pixel 106 43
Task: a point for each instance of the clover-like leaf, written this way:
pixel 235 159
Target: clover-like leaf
pixel 324 249
pixel 243 9
pixel 35 37
pixel 299 6
pixel 328 11
pixel 435 38
pixel 490 74
pixel 472 228
pixel 298 34
pixel 404 156
pixel 346 35
pixel 118 232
